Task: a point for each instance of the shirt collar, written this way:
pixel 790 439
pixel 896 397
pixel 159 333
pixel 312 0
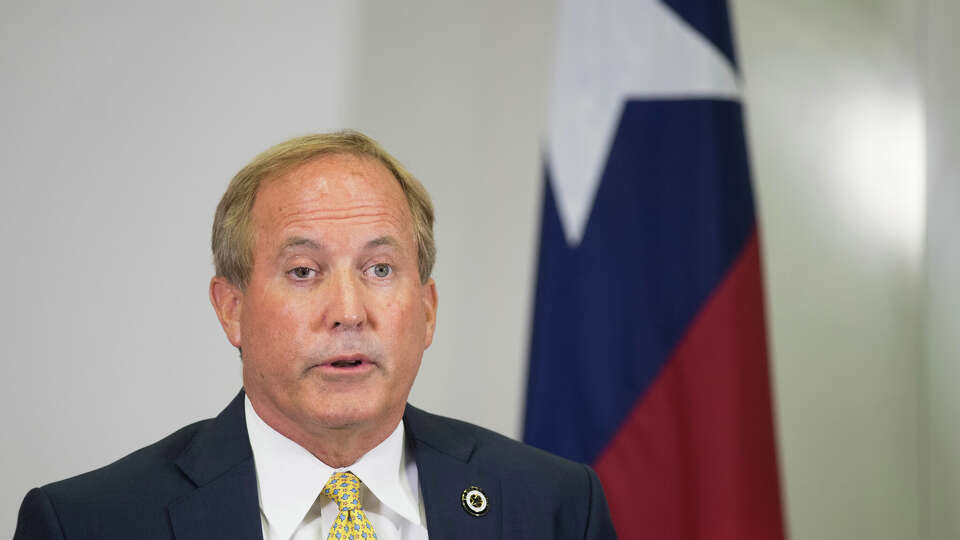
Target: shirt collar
pixel 383 471
pixel 289 478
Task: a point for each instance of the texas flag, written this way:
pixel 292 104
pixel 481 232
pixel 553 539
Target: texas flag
pixel 649 353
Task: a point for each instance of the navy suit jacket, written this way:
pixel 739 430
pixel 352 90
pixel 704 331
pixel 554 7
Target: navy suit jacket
pixel 200 483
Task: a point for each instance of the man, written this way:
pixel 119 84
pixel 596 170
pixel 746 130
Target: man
pixel 323 248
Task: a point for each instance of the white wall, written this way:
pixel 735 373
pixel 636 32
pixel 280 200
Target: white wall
pixel 120 126
pixel 943 262
pixel 836 131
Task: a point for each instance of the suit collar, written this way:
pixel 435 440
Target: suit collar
pixel 221 445
pixel 431 430
pixel 444 451
pixel 219 461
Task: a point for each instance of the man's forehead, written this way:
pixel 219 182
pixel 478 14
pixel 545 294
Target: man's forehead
pixel 335 177
pixel 334 190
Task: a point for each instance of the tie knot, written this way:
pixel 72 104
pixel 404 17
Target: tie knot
pixel 343 488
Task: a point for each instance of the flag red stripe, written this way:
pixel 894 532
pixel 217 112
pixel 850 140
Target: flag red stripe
pixel 696 457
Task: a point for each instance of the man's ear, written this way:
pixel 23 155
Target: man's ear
pixel 430 300
pixel 227 300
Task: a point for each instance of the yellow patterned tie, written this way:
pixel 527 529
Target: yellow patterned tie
pixel 343 488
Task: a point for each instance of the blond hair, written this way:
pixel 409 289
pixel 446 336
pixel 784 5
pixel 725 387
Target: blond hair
pixel 232 236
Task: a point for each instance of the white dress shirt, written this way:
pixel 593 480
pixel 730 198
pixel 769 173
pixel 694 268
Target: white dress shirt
pixel 290 479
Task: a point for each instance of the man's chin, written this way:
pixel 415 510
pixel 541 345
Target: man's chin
pixel 341 415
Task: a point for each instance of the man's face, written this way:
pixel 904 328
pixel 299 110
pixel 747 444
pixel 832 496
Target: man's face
pixel 334 320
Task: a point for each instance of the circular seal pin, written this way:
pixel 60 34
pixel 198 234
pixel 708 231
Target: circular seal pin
pixel 474 501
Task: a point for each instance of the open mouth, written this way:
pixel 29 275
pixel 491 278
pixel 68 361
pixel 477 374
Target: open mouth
pixel 346 363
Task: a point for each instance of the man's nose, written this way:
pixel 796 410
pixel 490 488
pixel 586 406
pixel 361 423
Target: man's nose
pixel 345 309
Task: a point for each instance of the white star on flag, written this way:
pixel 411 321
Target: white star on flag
pixel 611 51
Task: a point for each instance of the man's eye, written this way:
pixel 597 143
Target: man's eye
pixel 381 270
pixel 302 272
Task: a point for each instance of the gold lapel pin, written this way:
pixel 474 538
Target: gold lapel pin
pixel 474 501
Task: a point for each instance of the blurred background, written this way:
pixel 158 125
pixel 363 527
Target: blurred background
pixel 122 122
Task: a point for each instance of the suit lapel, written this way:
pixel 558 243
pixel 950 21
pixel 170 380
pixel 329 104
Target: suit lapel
pixel 443 456
pixel 219 461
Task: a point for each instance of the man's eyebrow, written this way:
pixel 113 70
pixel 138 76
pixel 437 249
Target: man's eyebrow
pixel 383 241
pixel 299 241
